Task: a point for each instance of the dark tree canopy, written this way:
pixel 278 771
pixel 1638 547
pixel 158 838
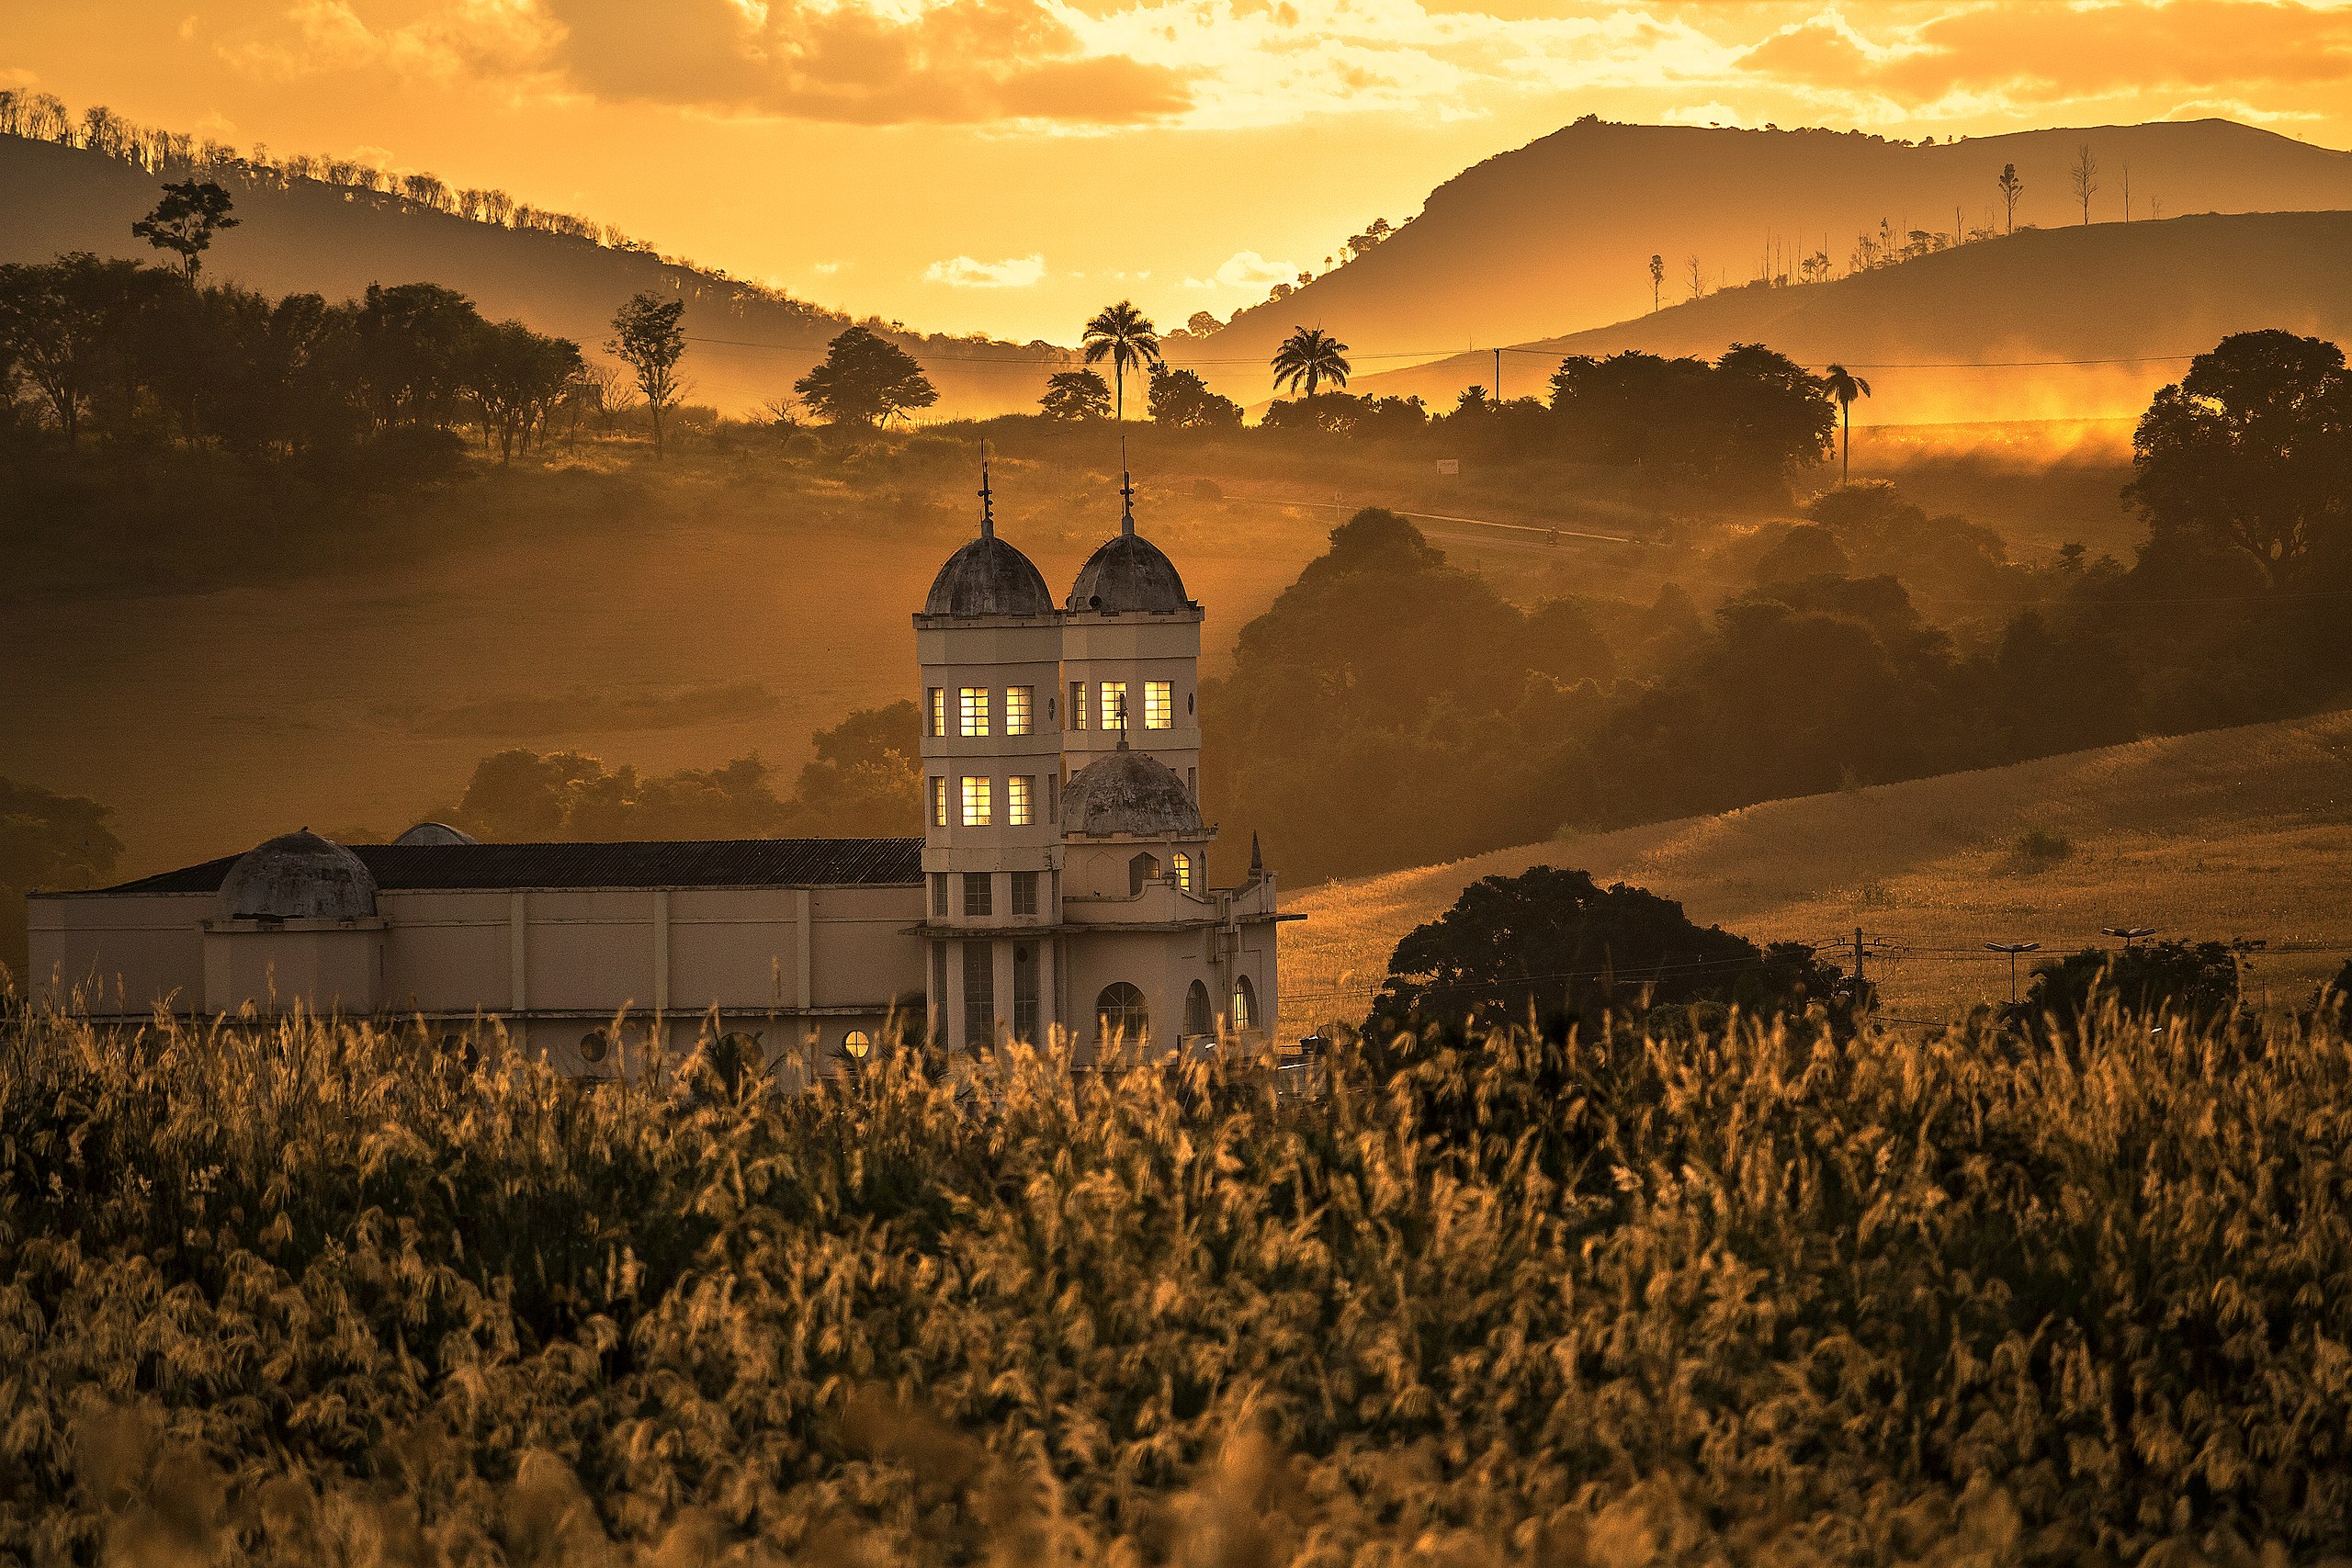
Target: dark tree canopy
pixel 865 379
pixel 1072 395
pixel 1550 942
pixel 1180 400
pixel 649 337
pixel 184 221
pixel 2250 455
pixel 2198 981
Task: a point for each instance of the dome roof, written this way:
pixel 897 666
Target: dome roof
pixel 1129 574
pixel 989 577
pixel 1129 792
pixel 435 833
pixel 298 876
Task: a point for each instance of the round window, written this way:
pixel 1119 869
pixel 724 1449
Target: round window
pixel 857 1043
pixel 594 1046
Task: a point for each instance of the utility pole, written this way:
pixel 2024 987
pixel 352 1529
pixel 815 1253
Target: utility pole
pixel 2013 948
pixel 2129 933
pixel 1498 377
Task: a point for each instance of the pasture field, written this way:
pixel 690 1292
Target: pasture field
pixel 2222 834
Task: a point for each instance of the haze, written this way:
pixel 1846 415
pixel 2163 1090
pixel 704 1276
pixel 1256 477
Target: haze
pixel 1005 165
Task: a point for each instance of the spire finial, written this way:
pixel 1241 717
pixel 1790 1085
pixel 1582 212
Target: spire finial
pixel 1127 490
pixel 1257 860
pixel 988 503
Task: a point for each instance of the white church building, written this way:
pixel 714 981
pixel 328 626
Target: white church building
pixel 1059 890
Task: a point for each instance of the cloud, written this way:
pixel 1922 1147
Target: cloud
pixel 1245 269
pixel 963 272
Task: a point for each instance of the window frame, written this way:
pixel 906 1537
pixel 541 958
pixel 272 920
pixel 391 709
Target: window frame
pixel 979 895
pixel 939 801
pixel 1025 892
pixel 1020 800
pixel 1113 709
pixel 1020 710
pixel 1078 704
pixel 937 713
pixel 1159 705
pixel 978 789
pixel 972 712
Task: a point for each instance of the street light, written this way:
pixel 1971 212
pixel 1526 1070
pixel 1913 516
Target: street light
pixel 2129 933
pixel 2013 948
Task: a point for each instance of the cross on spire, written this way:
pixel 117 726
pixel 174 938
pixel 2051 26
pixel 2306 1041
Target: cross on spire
pixel 1127 490
pixel 987 504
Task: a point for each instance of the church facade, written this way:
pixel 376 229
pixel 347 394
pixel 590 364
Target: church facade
pixel 1059 890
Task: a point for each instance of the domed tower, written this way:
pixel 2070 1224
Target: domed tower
pixel 295 918
pixel 990 645
pixel 1131 654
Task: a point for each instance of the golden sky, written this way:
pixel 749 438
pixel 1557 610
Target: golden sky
pixel 1007 166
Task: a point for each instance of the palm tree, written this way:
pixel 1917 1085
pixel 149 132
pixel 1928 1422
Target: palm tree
pixel 1126 336
pixel 1845 385
pixel 1313 356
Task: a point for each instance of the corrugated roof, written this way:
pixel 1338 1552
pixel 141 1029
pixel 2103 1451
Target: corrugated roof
pixel 692 862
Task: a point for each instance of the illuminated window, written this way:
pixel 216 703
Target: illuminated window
pixel 939 803
pixel 857 1043
pixel 1018 700
pixel 976 710
pixel 1025 892
pixel 1078 704
pixel 1158 705
pixel 980 894
pixel 939 710
pixel 978 807
pixel 1244 1003
pixel 1114 704
pixel 1017 791
pixel 1181 863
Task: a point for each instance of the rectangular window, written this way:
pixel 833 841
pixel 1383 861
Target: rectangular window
pixel 980 992
pixel 1158 705
pixel 1192 783
pixel 1078 704
pixel 939 710
pixel 1053 798
pixel 980 894
pixel 1024 994
pixel 1017 791
pixel 939 803
pixel 1018 701
pixel 977 805
pixel 1183 864
pixel 1025 892
pixel 976 710
pixel 939 893
pixel 1114 704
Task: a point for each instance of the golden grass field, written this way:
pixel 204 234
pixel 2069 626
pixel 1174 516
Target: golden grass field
pixel 2224 834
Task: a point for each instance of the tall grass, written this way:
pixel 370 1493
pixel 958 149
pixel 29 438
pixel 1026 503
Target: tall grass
pixel 310 1293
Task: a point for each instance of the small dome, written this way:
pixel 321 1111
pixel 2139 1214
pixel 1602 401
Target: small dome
pixel 435 833
pixel 1129 792
pixel 989 577
pixel 298 876
pixel 1129 574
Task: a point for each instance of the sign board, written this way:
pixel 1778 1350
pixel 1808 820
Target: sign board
pixel 1447 468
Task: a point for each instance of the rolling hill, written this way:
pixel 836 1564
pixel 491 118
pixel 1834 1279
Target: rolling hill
pixel 299 235
pixel 1556 236
pixel 2130 300
pixel 2226 833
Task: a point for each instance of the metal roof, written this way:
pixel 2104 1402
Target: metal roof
pixel 690 863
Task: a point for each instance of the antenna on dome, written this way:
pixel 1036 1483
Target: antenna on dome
pixel 1127 490
pixel 987 503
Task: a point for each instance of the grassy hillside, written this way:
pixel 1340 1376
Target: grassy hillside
pixel 299 234
pixel 2110 292
pixel 2228 833
pixel 1556 236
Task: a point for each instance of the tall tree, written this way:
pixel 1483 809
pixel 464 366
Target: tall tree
pixel 1657 279
pixel 2084 174
pixel 1309 357
pixel 516 378
pixel 1845 385
pixel 648 338
pixel 865 380
pixel 1124 336
pixel 184 221
pixel 2012 186
pixel 67 325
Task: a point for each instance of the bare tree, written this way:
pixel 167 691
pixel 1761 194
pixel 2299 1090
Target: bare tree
pixel 2086 177
pixel 2127 193
pixel 1698 278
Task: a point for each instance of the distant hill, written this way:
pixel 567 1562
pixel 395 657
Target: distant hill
pixel 2216 835
pixel 303 234
pixel 2106 293
pixel 1557 237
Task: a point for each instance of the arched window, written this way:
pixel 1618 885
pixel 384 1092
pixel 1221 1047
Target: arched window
pixel 857 1043
pixel 1182 865
pixel 1120 1013
pixel 1244 1004
pixel 1197 1018
pixel 1140 870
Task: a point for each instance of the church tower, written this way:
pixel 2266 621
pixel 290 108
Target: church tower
pixel 1131 654
pixel 990 646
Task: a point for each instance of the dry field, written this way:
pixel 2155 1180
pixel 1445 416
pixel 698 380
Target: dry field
pixel 2227 833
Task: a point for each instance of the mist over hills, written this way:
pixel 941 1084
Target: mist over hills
pixel 2150 292
pixel 1556 236
pixel 298 234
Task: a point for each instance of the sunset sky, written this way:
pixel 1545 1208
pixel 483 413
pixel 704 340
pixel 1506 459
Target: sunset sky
pixel 1007 166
